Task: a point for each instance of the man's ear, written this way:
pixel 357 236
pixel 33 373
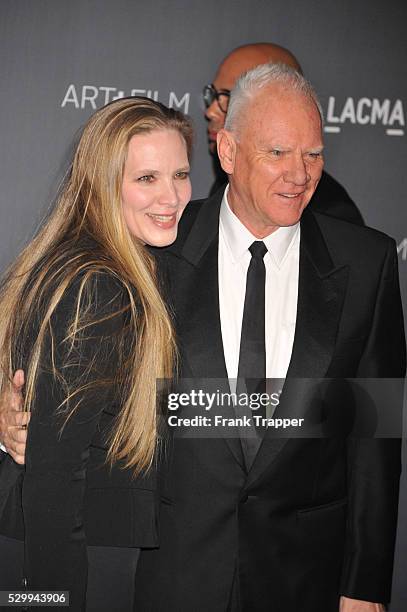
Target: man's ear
pixel 226 150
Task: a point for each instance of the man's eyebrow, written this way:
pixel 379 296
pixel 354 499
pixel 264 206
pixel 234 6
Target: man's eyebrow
pixel 273 145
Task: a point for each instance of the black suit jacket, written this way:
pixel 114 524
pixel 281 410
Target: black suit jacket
pixel 67 497
pixel 313 518
pixel 330 198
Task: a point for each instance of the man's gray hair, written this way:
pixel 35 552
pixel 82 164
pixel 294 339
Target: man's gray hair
pixel 252 81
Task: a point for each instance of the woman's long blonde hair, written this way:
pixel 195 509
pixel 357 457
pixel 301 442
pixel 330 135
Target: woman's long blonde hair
pixel 90 206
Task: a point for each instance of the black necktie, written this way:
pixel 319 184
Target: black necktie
pixel 252 355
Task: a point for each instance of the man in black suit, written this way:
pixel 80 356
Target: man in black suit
pixel 256 523
pixel 284 525
pixel 330 197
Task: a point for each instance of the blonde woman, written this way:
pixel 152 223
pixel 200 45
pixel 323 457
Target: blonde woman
pixel 82 308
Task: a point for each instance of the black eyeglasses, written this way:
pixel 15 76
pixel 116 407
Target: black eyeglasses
pixel 210 93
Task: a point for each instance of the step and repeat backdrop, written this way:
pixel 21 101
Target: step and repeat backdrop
pixel 62 59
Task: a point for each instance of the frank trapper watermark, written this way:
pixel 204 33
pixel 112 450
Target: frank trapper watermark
pixel 304 408
pixel 207 400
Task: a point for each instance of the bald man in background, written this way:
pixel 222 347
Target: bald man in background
pixel 330 198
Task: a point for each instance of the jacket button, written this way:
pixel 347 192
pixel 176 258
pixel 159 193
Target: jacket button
pixel 24 584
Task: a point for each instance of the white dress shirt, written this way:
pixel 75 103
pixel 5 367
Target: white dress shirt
pixel 282 266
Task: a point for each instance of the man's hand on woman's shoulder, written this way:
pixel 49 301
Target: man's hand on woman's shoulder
pixel 13 421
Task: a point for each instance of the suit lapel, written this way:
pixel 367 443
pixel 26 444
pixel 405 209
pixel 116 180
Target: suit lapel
pixel 196 295
pixel 200 328
pixel 321 292
pixel 196 299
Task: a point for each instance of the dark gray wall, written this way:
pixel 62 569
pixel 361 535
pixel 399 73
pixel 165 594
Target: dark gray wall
pixel 354 51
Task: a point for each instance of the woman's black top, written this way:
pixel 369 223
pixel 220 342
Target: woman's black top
pixel 66 496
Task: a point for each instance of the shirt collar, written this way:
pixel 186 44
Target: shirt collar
pixel 238 238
